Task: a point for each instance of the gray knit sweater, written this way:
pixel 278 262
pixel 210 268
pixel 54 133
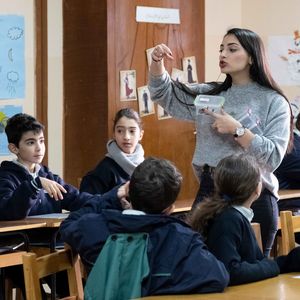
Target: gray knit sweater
pixel 269 108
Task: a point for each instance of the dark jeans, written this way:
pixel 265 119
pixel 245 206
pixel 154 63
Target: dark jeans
pixel 265 210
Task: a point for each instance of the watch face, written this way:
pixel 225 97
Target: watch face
pixel 239 131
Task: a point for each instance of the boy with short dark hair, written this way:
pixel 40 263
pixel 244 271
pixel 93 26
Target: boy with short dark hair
pixel 179 261
pixel 26 187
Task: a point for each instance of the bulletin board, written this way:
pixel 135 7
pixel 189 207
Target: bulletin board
pixel 111 41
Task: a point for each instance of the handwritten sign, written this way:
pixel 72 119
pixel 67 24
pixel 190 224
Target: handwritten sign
pixel 157 15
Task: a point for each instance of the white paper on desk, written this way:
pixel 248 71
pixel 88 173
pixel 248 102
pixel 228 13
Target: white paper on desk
pixel 50 216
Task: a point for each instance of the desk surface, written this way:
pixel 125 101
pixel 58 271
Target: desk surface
pixel 51 220
pixel 7 226
pixel 288 194
pixel 185 205
pixel 285 286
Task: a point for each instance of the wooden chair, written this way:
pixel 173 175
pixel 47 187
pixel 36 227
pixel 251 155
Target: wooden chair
pixel 257 232
pixel 289 226
pixel 9 260
pixel 36 268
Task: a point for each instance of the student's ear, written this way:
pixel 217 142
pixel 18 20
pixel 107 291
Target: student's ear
pixel 167 211
pixel 13 148
pixel 258 189
pixel 141 135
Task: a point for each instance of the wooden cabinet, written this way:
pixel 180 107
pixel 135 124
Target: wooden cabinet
pixel 100 39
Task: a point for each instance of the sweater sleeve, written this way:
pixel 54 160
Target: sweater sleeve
pixel 16 199
pixel 70 228
pixel 270 147
pixel 177 102
pixel 225 241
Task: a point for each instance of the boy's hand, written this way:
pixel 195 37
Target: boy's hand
pixel 53 188
pixel 123 194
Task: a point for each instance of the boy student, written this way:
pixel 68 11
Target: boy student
pixel 27 187
pixel 179 261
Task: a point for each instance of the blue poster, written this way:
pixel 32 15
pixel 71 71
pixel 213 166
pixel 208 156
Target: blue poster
pixel 12 57
pixel 6 111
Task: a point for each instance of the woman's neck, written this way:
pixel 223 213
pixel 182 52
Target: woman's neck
pixel 241 79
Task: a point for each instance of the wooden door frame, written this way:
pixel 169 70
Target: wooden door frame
pixel 41 66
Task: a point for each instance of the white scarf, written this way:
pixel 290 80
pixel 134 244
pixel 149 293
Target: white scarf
pixel 128 162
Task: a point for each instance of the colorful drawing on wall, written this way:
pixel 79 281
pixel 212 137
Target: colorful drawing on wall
pixel 148 54
pixel 12 57
pixel 146 106
pixel 162 114
pixel 284 54
pixel 178 75
pixel 128 85
pixel 190 69
pixel 6 111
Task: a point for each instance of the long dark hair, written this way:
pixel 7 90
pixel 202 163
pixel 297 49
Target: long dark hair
pixel 259 70
pixel 235 178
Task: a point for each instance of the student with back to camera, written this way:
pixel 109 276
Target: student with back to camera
pixel 224 221
pixel 178 259
pixel 124 153
pixel 249 90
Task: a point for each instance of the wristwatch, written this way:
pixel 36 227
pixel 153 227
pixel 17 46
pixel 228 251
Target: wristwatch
pixel 239 131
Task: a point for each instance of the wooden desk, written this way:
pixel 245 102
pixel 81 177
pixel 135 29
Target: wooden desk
pixel 26 224
pixel 183 205
pixel 285 286
pixel 186 205
pixel 288 194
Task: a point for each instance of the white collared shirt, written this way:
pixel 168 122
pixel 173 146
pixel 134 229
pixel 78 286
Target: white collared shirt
pixel 246 212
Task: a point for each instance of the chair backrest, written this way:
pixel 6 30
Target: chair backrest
pixel 289 226
pixel 119 269
pixel 257 232
pixel 36 268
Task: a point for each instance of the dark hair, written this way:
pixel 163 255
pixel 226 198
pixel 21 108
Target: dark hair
pixel 297 124
pixel 259 70
pixel 128 113
pixel 154 185
pixel 20 123
pixel 235 179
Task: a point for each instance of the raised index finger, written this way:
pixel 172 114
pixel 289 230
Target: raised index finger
pixel 211 113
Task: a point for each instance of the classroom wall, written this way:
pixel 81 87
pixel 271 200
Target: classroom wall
pixel 268 17
pixel 24 8
pixel 55 86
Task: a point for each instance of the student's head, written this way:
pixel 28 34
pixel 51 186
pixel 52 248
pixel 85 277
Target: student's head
pixel 25 138
pixel 237 181
pixel 154 186
pixel 127 129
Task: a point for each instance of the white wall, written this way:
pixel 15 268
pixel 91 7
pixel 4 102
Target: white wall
pixel 24 8
pixel 55 87
pixel 267 18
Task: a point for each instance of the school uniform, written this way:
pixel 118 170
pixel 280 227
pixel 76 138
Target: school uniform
pixel 179 261
pixel 106 175
pixel 115 169
pixel 22 195
pixel 231 239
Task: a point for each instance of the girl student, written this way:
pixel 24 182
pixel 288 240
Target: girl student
pixel 124 153
pixel 251 98
pixel 224 221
